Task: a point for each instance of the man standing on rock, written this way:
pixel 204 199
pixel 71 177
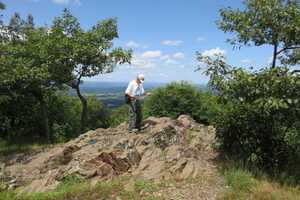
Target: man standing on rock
pixel 133 95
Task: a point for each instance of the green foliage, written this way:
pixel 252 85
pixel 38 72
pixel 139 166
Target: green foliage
pixel 239 180
pixel 65 116
pixel 119 115
pixel 99 115
pixel 261 123
pixel 245 184
pixel 86 53
pixel 74 188
pixel 181 98
pixel 274 22
pixel 2 6
pixel 36 64
pixel 21 120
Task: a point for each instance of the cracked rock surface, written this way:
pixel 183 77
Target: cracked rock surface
pixel 166 149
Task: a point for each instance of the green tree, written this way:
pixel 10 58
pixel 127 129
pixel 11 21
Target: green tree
pixel 29 66
pixel 24 70
pixel 37 62
pixel 273 22
pixel 119 115
pixel 2 6
pixel 260 124
pixel 29 23
pixel 90 52
pixel 176 99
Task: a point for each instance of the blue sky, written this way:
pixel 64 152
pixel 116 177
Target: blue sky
pixel 164 34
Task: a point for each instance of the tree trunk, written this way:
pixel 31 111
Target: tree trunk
pixel 45 119
pixel 84 112
pixel 274 56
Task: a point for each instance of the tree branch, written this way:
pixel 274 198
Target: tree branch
pixel 287 48
pixel 295 71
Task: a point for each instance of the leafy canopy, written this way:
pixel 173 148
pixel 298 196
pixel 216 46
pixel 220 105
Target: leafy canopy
pixel 274 22
pixel 260 124
pixel 181 98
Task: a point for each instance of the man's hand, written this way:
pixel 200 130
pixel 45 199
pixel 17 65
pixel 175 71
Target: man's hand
pixel 132 98
pixel 147 94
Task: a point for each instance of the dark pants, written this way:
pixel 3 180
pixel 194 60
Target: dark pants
pixel 135 114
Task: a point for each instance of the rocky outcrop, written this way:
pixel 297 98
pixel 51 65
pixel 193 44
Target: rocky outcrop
pixel 164 149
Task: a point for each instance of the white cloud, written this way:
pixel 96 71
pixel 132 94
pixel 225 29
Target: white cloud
pixel 270 60
pixel 65 2
pixel 151 54
pixel 172 42
pixel 178 55
pixel 247 61
pixel 163 75
pixel 132 44
pixel 61 1
pixel 200 39
pixel 165 57
pixel 214 52
pixel 77 2
pixel 170 61
pixel 140 62
pixel 151 59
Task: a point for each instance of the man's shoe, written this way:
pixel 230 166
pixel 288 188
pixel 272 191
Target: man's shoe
pixel 135 130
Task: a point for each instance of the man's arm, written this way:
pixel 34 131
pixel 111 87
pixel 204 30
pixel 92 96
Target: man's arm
pixel 145 93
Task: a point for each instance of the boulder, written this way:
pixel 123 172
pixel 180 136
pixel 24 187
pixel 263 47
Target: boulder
pixel 164 149
pixel 186 121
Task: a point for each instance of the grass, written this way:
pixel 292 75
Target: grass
pixel 244 185
pixel 7 149
pixel 74 188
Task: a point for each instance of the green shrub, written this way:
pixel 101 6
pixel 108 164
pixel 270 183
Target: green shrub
pixel 65 111
pixel 20 118
pixel 261 123
pixel 98 114
pixel 181 98
pixel 119 115
pixel 239 180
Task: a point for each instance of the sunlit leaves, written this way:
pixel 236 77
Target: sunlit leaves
pixel 274 22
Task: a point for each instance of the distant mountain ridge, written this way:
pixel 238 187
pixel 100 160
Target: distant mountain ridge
pixel 112 93
pixel 93 86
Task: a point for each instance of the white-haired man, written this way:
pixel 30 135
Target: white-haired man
pixel 133 95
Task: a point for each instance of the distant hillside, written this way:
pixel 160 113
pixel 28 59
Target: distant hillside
pixel 111 93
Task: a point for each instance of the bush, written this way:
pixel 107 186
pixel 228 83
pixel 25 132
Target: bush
pixel 181 98
pixel 20 118
pixel 119 115
pixel 98 114
pixel 261 123
pixel 65 111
